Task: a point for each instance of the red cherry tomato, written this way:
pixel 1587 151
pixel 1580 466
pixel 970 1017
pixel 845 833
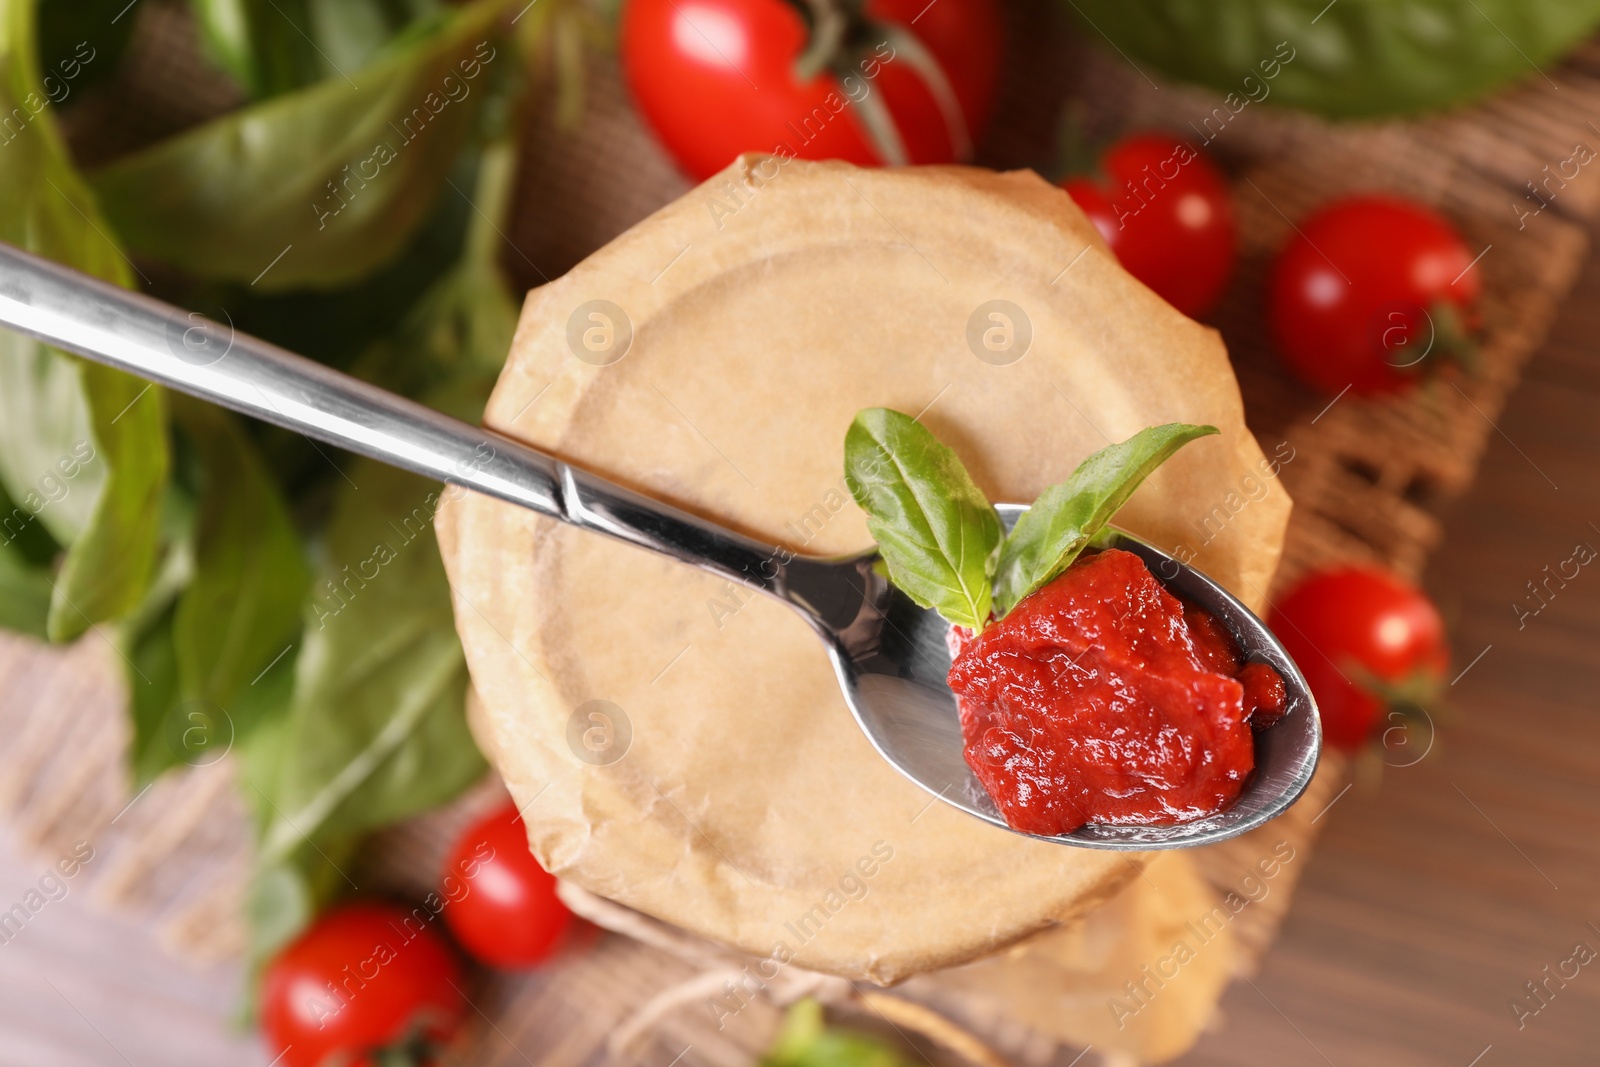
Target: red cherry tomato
pixel 365 978
pixel 715 78
pixel 502 906
pixel 1369 292
pixel 1346 626
pixel 1164 209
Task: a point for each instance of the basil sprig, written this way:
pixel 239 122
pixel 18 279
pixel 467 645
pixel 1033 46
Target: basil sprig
pixel 941 538
pixel 936 530
pixel 1050 534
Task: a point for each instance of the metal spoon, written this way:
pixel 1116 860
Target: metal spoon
pixel 889 654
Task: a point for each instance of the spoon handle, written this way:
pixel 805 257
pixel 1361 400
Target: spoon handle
pixel 192 354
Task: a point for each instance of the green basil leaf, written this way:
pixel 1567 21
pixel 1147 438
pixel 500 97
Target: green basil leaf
pixel 24 597
pixel 276 46
pixel 287 891
pixel 151 655
pixel 1348 59
pixel 145 639
pixel 1061 523
pixel 352 32
pixel 224 606
pixel 936 530
pixel 319 187
pixel 24 582
pixel 242 606
pixel 53 407
pixel 108 567
pixel 170 730
pixel 805 1040
pixel 262 715
pixel 283 898
pixel 279 903
pixel 262 44
pixel 376 731
pixel 49 464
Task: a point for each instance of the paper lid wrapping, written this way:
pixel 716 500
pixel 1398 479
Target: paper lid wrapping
pixel 739 329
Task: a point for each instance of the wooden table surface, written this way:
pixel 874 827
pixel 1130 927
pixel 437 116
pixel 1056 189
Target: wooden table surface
pixel 1428 905
pixel 1431 901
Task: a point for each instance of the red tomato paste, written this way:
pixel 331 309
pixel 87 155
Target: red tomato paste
pixel 1102 698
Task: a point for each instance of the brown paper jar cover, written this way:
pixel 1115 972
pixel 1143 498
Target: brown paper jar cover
pixel 712 357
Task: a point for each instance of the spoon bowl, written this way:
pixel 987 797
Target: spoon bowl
pixel 892 665
pixel 889 654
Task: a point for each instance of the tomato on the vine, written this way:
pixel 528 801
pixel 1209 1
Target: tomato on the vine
pixel 1370 293
pixel 501 905
pixel 368 983
pixel 1359 636
pixel 879 82
pixel 1164 209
